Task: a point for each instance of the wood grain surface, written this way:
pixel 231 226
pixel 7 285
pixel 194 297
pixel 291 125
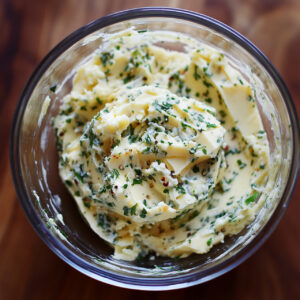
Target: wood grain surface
pixel 28 269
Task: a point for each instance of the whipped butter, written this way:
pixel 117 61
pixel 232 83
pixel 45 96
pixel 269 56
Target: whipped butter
pixel 162 146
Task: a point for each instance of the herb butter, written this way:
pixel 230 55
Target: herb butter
pixel 162 146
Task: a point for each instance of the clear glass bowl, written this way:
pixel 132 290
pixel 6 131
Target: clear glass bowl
pixel 53 213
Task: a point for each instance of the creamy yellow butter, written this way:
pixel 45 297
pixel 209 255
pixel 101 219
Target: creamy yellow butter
pixel 163 150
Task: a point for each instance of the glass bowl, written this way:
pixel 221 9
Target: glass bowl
pixel 53 213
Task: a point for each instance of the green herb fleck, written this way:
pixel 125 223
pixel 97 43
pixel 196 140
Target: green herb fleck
pixel 53 88
pixel 137 181
pixel 210 125
pixel 138 172
pixel 143 213
pixel 115 173
pixel 126 210
pixel 206 83
pixel 180 189
pixel 148 139
pixel 241 164
pixel 103 221
pixel 105 57
pixel 86 203
pixel 68 182
pixel 133 209
pixel 260 134
pixel 209 242
pixel 196 74
pixel 222 113
pixel 252 198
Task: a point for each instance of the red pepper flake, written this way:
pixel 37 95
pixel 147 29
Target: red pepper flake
pixel 226 148
pixel 163 179
pixel 166 183
pixel 76 182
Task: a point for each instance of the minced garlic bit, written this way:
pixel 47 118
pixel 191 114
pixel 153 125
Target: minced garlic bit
pixel 163 150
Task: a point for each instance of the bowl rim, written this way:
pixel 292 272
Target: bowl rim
pixel 150 284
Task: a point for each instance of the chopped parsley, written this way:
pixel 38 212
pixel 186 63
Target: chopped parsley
pixel 180 189
pixel 185 125
pixel 68 182
pixel 143 213
pixel 148 139
pixel 79 173
pixel 103 221
pixel 241 81
pixel 196 74
pixel 115 174
pixel 222 113
pixel 86 203
pixel 105 57
pixel 138 172
pixel 105 188
pixel 137 181
pixel 133 209
pixel 241 164
pixel 126 210
pixel 53 88
pixel 162 106
pixel 252 198
pixel 206 83
pixel 210 125
pixel 261 134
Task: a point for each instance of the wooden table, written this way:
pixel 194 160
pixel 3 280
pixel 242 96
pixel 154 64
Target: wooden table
pixel 28 269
